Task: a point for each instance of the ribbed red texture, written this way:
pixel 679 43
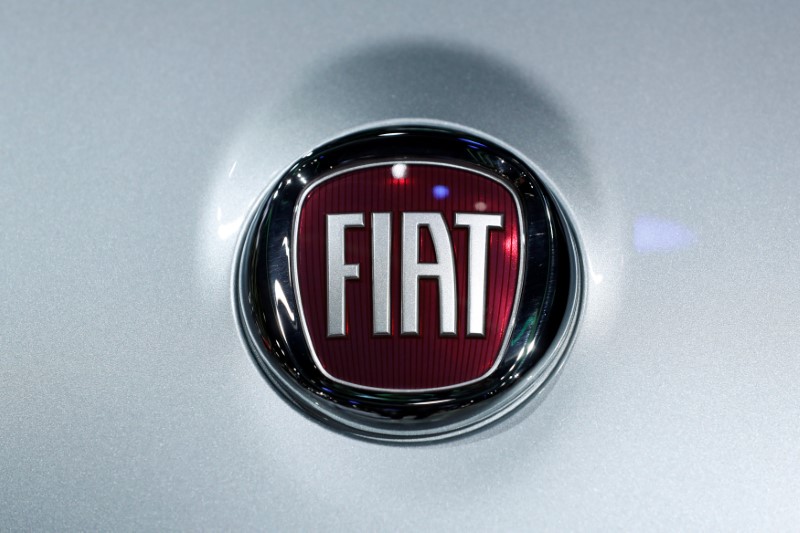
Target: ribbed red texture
pixel 407 362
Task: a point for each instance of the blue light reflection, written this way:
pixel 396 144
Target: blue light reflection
pixel 440 192
pixel 652 235
pixel 471 143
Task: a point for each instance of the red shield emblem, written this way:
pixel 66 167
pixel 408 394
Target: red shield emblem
pixel 407 274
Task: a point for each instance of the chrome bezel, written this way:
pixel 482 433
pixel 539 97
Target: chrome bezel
pixel 270 311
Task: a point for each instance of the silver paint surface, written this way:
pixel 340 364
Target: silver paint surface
pixel 135 138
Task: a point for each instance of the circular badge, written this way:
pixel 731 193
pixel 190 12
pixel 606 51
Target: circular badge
pixel 408 283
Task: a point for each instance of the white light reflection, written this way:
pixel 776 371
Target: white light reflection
pixel 285 244
pixel 230 228
pixel 280 297
pixel 399 171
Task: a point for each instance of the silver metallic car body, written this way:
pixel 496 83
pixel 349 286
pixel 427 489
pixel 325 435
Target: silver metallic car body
pixel 135 139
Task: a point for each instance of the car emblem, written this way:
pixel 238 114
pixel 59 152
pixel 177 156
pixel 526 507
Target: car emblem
pixel 408 283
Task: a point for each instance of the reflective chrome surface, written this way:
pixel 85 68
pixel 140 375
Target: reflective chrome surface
pixel 547 299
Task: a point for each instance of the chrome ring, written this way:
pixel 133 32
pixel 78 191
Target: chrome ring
pixel 541 326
